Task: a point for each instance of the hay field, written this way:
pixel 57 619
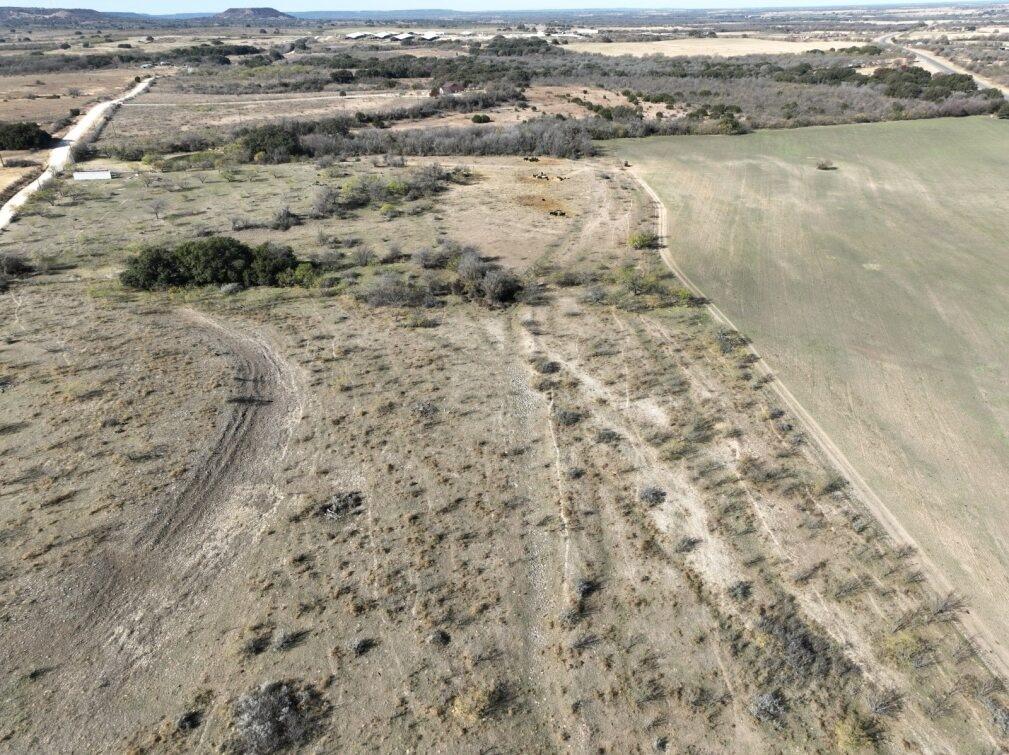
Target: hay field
pixel 877 291
pixel 724 46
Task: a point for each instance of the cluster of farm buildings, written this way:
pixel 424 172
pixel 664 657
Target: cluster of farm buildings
pixel 430 36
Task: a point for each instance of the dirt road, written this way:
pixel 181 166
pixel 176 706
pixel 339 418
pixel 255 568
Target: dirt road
pixel 996 655
pixel 133 602
pixel 282 100
pixel 932 62
pixel 60 155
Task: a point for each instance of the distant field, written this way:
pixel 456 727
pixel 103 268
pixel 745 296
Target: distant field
pixel 46 97
pixel 726 46
pixel 879 293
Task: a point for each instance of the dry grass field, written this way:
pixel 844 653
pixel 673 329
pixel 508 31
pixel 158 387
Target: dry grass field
pixel 163 112
pixel 720 46
pixel 476 471
pixel 579 523
pixel 877 293
pixel 44 98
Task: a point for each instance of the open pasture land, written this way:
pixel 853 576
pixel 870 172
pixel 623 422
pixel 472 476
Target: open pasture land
pixel 165 112
pixel 578 523
pixel 47 97
pixel 724 46
pixel 877 291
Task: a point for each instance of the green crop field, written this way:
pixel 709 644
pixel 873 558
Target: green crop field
pixel 879 294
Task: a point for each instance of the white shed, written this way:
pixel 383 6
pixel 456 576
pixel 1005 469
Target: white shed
pixel 92 175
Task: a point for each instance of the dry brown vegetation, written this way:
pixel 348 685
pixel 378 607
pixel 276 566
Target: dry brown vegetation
pixel 261 507
pixel 483 476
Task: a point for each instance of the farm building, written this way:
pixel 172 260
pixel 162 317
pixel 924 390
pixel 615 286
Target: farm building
pixel 357 35
pixel 92 175
pixel 403 37
pixel 431 36
pixel 382 34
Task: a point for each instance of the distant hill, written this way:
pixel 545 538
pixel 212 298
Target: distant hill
pixel 10 15
pixel 251 14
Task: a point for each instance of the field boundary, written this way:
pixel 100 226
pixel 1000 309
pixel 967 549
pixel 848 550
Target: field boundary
pixel 996 657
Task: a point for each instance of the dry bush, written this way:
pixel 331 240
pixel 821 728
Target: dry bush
pixel 277 716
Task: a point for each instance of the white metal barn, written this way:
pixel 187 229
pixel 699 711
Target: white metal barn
pixel 92 175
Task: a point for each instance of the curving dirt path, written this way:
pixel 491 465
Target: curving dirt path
pixel 996 655
pixel 132 606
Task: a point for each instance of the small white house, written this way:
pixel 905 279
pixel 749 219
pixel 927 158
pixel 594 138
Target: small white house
pixel 403 37
pixel 382 35
pixel 357 35
pixel 92 175
pixel 431 36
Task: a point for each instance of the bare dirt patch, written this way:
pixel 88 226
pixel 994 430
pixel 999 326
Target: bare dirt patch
pixel 721 46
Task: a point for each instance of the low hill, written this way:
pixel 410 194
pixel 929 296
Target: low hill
pixel 251 14
pixel 10 15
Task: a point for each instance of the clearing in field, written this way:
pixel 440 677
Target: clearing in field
pixel 724 46
pixel 876 288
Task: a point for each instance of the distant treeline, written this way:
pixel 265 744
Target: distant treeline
pixel 37 62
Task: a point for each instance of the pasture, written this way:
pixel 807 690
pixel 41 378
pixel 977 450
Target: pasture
pixel 877 291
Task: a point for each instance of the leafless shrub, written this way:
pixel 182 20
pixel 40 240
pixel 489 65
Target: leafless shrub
pixel 501 286
pixel 432 259
pixel 964 651
pixel 888 702
pixel 568 417
pixel 390 290
pixel 804 575
pixel 362 256
pixel 287 640
pixel 652 496
pixel 946 608
pixel 999 715
pixel 850 587
pixel 277 716
pixel 687 544
pixel 769 708
pixel 741 590
pixel 284 219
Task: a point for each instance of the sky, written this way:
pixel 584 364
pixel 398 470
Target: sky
pixel 213 6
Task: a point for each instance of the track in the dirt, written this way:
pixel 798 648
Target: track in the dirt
pixel 252 438
pixel 129 602
pixel 997 656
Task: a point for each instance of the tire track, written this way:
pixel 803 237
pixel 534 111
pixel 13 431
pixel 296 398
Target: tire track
pixel 134 602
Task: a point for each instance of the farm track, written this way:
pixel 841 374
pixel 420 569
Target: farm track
pixel 59 156
pixel 281 101
pixel 941 65
pixel 131 604
pixel 996 657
